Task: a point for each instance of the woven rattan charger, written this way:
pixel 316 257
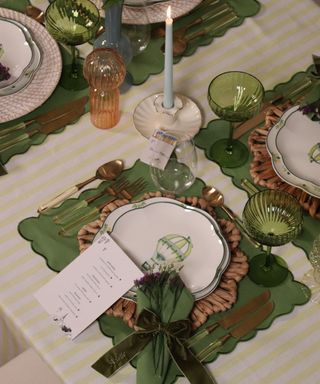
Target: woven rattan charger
pixel 221 299
pixel 261 169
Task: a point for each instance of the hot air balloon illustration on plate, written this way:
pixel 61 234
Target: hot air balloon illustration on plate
pixel 171 249
pixel 314 153
pixel 160 232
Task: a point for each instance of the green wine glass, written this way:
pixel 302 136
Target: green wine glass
pixel 272 218
pixel 233 96
pixel 72 22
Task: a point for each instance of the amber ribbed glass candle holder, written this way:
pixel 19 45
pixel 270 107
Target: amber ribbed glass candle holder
pixel 105 71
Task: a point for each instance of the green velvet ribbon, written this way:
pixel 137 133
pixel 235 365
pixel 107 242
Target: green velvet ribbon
pixel 176 333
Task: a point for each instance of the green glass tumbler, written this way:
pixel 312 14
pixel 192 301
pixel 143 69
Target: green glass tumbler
pixel 233 96
pixel 273 218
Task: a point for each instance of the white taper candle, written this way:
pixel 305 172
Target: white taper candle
pixel 168 63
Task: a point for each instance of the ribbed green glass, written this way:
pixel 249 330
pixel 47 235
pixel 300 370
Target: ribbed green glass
pixel 72 22
pixel 233 96
pixel 273 218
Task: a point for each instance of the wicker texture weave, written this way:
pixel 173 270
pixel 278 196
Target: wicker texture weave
pixel 221 299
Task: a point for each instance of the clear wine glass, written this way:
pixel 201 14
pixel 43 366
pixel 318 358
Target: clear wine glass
pixel 137 29
pixel 272 218
pixel 179 173
pixel 233 96
pixel 72 22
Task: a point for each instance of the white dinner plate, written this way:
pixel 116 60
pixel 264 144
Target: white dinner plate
pixel 294 147
pixel 162 230
pixel 25 76
pixel 46 78
pixel 16 51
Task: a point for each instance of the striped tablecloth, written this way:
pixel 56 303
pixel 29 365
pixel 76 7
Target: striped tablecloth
pixel 273 45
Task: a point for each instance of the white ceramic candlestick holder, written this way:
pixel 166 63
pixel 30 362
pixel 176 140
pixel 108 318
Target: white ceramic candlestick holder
pixel 183 119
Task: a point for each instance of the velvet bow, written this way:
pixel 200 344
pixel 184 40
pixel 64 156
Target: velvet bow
pixel 176 333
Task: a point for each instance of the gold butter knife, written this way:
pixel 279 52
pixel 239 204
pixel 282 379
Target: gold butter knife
pixel 46 129
pixel 232 318
pixel 245 327
pixel 47 117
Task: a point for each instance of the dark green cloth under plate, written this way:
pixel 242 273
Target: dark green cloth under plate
pixel 142 66
pixel 218 128
pixel 60 251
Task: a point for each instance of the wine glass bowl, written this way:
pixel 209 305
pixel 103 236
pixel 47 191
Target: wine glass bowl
pixel 179 172
pixel 234 96
pixel 273 218
pixel 138 28
pixel 72 22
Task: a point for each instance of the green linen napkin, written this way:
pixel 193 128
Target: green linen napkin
pixel 163 307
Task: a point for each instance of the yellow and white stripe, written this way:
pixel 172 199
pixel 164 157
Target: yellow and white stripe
pixel 273 45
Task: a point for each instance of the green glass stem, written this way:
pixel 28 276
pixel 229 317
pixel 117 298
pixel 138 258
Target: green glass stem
pixel 270 260
pixel 229 146
pixel 74 73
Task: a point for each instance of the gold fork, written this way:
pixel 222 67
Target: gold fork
pixel 68 214
pixel 129 192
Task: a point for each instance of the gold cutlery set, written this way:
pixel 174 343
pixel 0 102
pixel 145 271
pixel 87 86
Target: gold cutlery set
pixel 237 323
pixel 217 14
pixel 81 212
pixel 45 123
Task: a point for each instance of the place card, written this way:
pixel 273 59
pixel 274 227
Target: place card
pixel 89 285
pixel 161 146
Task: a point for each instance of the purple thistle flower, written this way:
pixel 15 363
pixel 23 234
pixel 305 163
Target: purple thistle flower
pixel 4 73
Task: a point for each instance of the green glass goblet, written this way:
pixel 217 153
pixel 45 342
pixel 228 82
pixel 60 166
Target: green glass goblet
pixel 272 218
pixel 233 96
pixel 72 22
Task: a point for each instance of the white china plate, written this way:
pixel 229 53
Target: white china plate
pixel 45 79
pixel 17 52
pixel 294 146
pixel 166 230
pixel 29 71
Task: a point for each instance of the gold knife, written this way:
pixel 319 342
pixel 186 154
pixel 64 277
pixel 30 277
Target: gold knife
pixel 47 117
pixel 232 318
pixel 297 90
pixel 248 325
pixel 46 129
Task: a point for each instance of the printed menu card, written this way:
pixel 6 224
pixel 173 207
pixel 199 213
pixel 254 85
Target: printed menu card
pixel 89 285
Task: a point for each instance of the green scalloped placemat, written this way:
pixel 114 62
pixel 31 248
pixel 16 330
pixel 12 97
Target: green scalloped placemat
pixel 142 66
pixel 60 251
pixel 151 61
pixel 218 128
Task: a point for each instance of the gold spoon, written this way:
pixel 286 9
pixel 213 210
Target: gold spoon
pixel 216 199
pixel 107 171
pixel 35 13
